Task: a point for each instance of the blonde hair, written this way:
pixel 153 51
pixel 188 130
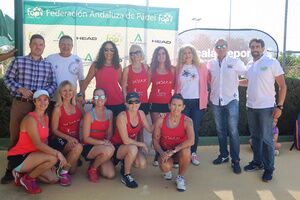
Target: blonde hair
pixel 139 48
pixel 59 98
pixel 195 61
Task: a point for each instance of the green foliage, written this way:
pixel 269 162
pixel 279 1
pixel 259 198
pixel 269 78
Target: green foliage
pixel 5 104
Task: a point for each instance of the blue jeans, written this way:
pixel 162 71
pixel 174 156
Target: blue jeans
pixel 226 119
pixel 260 125
pixel 192 110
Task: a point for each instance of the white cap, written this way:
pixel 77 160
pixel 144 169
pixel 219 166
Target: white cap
pixel 39 93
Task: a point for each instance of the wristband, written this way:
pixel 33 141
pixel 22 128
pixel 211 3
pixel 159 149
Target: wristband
pixel 280 107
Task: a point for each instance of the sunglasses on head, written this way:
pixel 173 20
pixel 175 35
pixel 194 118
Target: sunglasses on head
pixel 223 46
pixel 133 101
pixel 135 53
pixel 102 97
pixel 109 49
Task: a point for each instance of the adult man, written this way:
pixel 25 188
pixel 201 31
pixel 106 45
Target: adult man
pixel 262 108
pixel 223 75
pixel 24 76
pixel 66 65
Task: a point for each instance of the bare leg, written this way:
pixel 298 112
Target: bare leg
pixel 128 153
pixel 72 157
pixel 140 161
pixel 101 154
pixel 184 158
pixel 107 170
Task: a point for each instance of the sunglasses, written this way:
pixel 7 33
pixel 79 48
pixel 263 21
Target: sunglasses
pixel 135 101
pixel 223 46
pixel 109 49
pixel 102 97
pixel 135 53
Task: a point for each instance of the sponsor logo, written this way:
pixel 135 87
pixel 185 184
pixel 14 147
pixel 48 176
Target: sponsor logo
pixel 86 38
pixel 35 12
pixel 162 41
pixel 138 39
pixel 165 18
pixel 115 38
pixel 88 58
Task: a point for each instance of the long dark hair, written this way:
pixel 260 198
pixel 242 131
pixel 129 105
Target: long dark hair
pixel 154 62
pixel 100 60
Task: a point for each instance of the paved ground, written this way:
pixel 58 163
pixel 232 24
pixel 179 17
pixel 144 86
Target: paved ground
pixel 203 182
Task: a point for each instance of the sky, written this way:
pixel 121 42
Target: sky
pixel 265 15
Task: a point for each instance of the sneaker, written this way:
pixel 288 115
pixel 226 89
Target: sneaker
pixel 220 160
pixel 17 177
pixel 252 166
pixel 168 175
pixel 267 176
pixel 155 163
pixel 236 167
pixel 65 179
pixel 176 165
pixel 8 177
pixel 276 153
pixel 93 175
pixel 30 184
pixel 180 182
pixel 195 160
pixel 129 181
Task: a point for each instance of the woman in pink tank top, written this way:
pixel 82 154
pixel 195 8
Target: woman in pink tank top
pixel 97 131
pixel 108 72
pixel 31 158
pixel 172 138
pixel 162 85
pixel 128 139
pixel 136 77
pixel 65 125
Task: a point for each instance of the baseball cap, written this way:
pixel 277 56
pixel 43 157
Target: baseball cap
pixel 39 93
pixel 132 95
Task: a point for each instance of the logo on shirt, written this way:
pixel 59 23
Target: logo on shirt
pixel 188 74
pixel 229 66
pixel 263 68
pixel 73 67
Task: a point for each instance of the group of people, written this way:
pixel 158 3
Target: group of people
pixel 112 129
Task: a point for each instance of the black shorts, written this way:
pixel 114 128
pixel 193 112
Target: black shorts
pixel 115 160
pixel 58 144
pixel 145 108
pixel 159 107
pixel 86 150
pixel 15 161
pixel 116 109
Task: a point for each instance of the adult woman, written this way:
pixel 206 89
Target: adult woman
pixel 162 79
pixel 97 131
pixel 31 158
pixel 173 136
pixel 65 126
pixel 135 77
pixel 191 82
pixel 127 143
pixel 108 73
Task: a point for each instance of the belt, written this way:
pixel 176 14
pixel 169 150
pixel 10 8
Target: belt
pixel 24 99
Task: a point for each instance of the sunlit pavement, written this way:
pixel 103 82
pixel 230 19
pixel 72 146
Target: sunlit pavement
pixel 206 181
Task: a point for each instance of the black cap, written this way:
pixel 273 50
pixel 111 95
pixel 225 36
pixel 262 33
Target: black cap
pixel 132 95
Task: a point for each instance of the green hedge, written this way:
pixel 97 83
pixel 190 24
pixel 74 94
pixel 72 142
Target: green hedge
pixel 286 122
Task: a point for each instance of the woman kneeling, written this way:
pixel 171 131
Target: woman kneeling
pixel 173 136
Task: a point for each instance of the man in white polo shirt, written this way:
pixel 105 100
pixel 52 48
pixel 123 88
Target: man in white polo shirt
pixel 262 109
pixel 224 73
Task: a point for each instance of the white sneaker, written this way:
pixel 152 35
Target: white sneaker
pixel 276 152
pixel 180 184
pixel 195 160
pixel 155 163
pixel 175 165
pixel 168 175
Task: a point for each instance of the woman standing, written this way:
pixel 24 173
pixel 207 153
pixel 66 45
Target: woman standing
pixel 65 126
pixel 97 131
pixel 191 82
pixel 135 77
pixel 108 73
pixel 162 79
pixel 127 140
pixel 31 158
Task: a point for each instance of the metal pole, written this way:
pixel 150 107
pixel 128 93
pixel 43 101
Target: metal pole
pixel 19 12
pixel 284 34
pixel 229 23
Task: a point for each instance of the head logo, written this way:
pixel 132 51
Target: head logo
pixel 165 19
pixel 35 12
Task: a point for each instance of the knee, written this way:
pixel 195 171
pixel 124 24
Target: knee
pixel 109 174
pixel 165 167
pixel 52 159
pixel 185 154
pixel 108 152
pixel 77 149
pixel 141 164
pixel 132 150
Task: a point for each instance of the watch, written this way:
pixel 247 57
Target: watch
pixel 280 107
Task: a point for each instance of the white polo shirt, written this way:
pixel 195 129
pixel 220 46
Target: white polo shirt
pixel 261 76
pixel 67 68
pixel 225 80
